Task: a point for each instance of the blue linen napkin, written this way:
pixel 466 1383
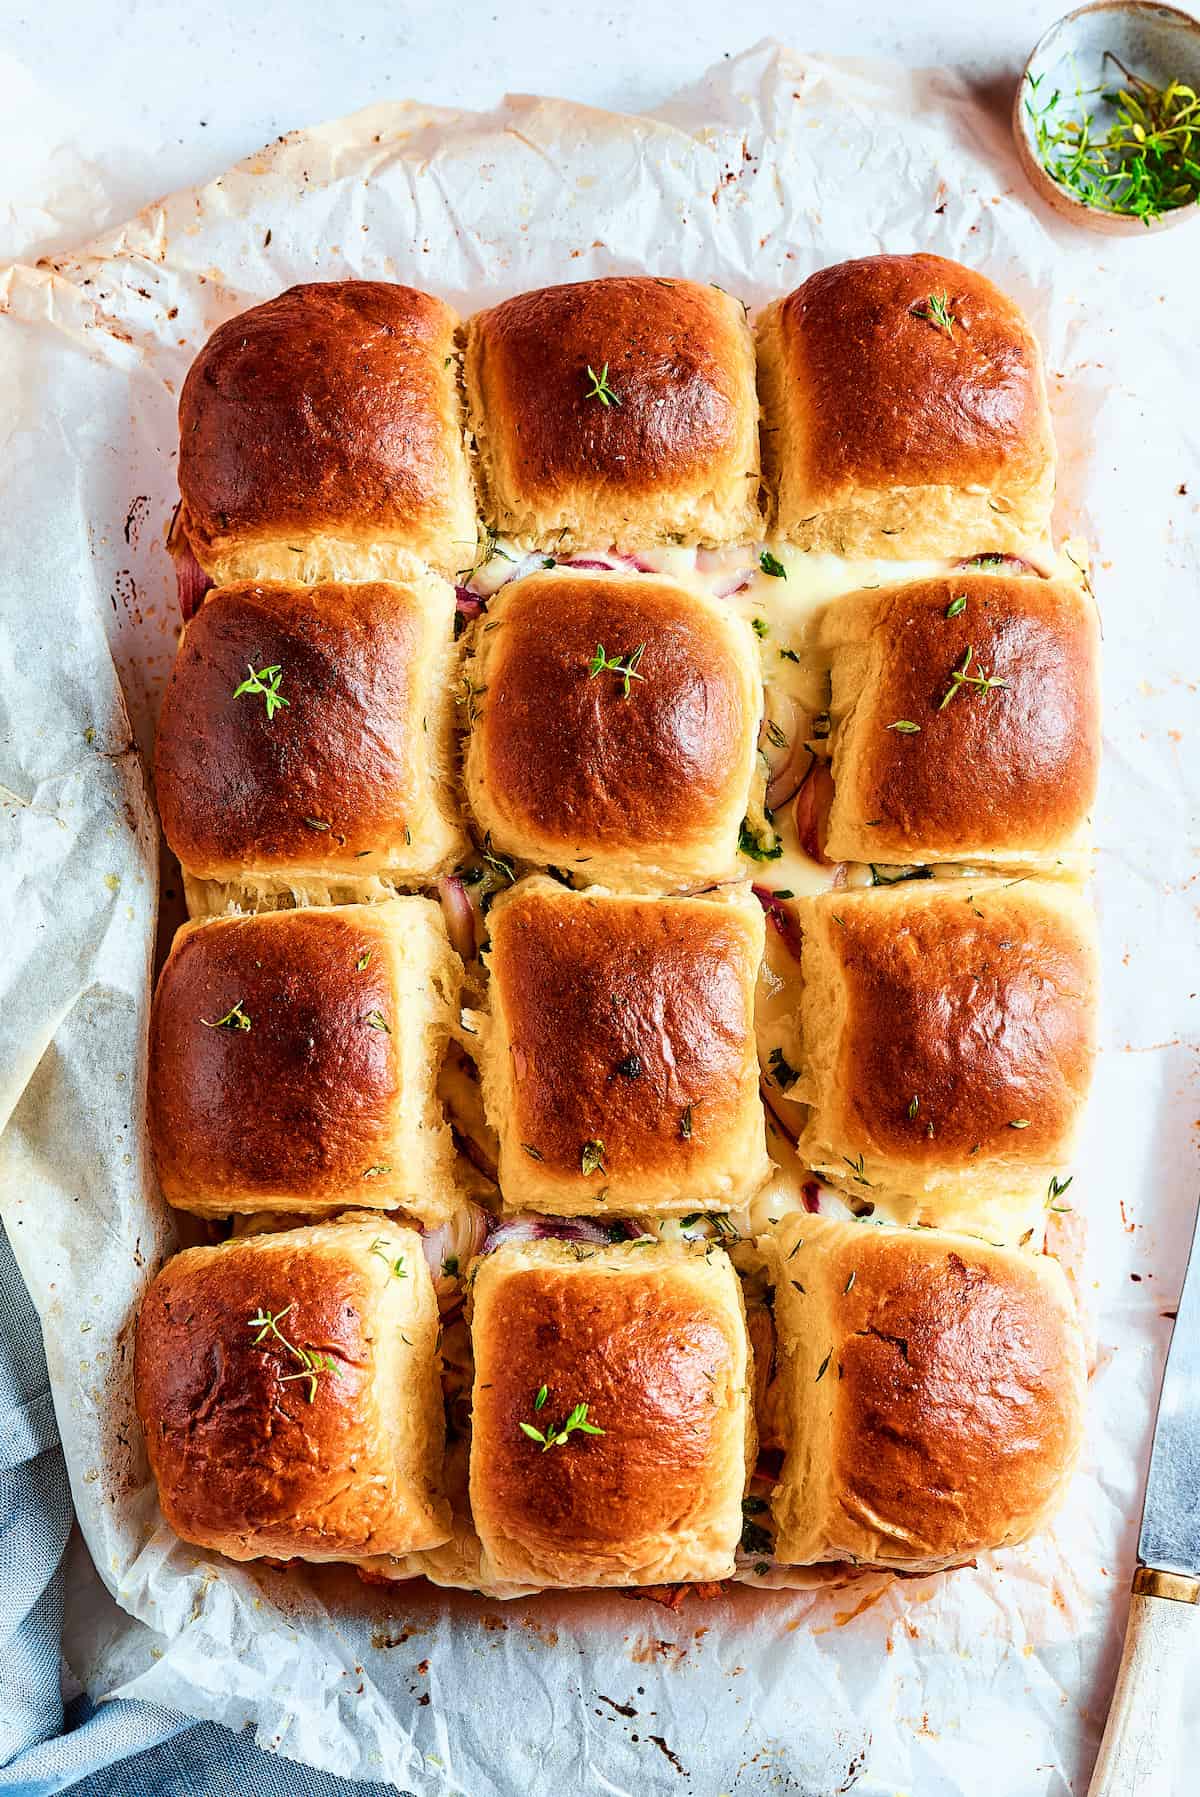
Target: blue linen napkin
pixel 117 1749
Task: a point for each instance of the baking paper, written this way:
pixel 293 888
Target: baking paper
pixel 990 1679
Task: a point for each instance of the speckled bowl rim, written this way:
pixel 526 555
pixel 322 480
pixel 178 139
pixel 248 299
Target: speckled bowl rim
pixel 1113 224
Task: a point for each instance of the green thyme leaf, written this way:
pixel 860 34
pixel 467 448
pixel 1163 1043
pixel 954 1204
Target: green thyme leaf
pixel 265 681
pixel 936 310
pixel 591 1158
pixel 395 1262
pixel 751 844
pixel 770 564
pixel 624 666
pixel 600 388
pixel 234 1019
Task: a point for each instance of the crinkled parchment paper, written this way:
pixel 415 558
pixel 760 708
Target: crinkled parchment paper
pixel 988 1680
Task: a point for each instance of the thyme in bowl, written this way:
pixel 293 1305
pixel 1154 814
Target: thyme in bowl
pixel 1146 163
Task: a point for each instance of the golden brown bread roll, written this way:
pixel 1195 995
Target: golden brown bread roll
pixel 946 1032
pixel 930 765
pixel 904 413
pixel 652 1339
pixel 619 1062
pixel 293 1061
pixel 643 788
pixel 616 411
pixel 932 1387
pixel 287 1387
pixel 326 420
pixel 305 740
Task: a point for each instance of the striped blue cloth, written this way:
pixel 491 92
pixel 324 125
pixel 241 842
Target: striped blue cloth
pixel 117 1749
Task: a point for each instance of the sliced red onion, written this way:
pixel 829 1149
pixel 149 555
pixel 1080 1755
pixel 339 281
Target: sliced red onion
pixel 811 812
pixel 556 1229
pixel 810 1191
pixel 730 584
pixel 781 918
pixel 607 566
pixel 459 913
pixel 787 779
pixel 995 564
pixel 467 602
pixel 191 582
pixel 460 1239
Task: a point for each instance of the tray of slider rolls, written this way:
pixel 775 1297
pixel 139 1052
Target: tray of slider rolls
pixel 631 764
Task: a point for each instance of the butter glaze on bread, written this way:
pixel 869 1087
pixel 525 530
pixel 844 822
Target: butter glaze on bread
pixel 1002 775
pixel 976 998
pixel 331 412
pixel 672 458
pixel 328 1098
pixel 948 1415
pixel 644 791
pixel 628 1022
pixel 653 1340
pixel 885 434
pixel 245 1462
pixel 348 782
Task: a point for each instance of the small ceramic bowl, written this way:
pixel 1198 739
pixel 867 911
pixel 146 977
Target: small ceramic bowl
pixel 1159 43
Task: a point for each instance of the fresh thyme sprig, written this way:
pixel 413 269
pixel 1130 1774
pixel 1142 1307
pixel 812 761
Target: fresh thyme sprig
pixel 1055 1191
pixel 555 1434
pixel 936 311
pixel 394 1262
pixel 312 1364
pixel 624 666
pixel 961 676
pixel 600 388
pixel 1148 161
pixel 234 1019
pixel 265 681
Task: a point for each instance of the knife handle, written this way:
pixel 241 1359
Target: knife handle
pixel 1141 1737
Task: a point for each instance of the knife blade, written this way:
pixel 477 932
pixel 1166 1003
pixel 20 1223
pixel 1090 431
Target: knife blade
pixel 1170 1535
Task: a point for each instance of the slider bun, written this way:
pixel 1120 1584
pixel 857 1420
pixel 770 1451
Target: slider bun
pixel 644 792
pixel 344 787
pixel 629 1022
pixel 1007 775
pixel 976 998
pixel 316 1104
pixel 886 435
pixel 653 1339
pixel 949 1415
pixel 327 417
pixel 245 1462
pixel 674 458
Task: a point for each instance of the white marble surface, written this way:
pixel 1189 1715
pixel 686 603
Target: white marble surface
pixel 166 95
